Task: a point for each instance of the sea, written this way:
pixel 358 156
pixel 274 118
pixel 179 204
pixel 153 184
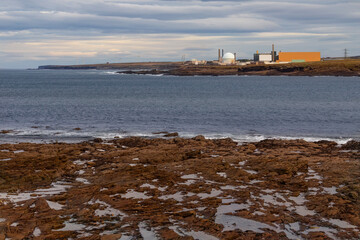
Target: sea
pixel 79 105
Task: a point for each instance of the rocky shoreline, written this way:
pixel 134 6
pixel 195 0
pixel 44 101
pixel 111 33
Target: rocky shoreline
pixel 258 70
pixel 349 67
pixel 175 188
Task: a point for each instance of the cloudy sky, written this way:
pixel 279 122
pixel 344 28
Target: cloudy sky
pixel 38 32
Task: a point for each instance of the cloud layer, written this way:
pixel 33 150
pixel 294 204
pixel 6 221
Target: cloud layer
pixel 34 32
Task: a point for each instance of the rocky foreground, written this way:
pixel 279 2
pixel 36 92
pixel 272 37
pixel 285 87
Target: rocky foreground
pixel 136 188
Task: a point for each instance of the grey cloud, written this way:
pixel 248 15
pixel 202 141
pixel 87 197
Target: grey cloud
pixel 319 24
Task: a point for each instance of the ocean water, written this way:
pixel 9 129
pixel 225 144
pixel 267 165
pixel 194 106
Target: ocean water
pixel 47 105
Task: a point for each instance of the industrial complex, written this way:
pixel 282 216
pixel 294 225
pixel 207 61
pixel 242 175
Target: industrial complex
pixel 266 58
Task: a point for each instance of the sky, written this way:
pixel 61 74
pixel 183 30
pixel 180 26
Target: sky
pixel 41 32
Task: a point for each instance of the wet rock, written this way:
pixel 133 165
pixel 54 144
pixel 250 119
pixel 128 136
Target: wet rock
pixel 351 145
pixel 199 138
pixel 175 134
pixel 98 140
pixel 111 237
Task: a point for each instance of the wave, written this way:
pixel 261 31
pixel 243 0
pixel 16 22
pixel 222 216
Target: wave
pixel 65 135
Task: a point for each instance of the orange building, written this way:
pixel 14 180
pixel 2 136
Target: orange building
pixel 299 57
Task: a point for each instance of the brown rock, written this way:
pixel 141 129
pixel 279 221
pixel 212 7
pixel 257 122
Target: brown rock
pixel 175 134
pixel 111 237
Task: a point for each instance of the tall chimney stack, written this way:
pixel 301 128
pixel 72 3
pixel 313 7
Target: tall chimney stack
pixel 235 57
pixel 273 53
pixel 219 57
pixel 222 55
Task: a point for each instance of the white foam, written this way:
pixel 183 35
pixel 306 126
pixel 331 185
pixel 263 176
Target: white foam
pixel 5 160
pixel 2 220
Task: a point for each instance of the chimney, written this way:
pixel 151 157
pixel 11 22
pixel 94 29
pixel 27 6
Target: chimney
pixel 235 57
pixel 273 53
pixel 219 57
pixel 222 55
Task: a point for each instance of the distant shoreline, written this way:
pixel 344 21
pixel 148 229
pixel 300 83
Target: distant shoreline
pixel 323 68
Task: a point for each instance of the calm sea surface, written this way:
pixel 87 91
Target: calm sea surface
pixel 49 104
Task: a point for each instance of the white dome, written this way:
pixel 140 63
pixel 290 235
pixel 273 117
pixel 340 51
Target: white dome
pixel 229 56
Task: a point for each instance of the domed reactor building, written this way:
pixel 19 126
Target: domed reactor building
pixel 227 58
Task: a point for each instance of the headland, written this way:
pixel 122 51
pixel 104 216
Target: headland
pixel 349 67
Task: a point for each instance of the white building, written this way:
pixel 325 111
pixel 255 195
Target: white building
pixel 263 57
pixel 228 58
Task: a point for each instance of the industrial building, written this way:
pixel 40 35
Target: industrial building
pixel 299 57
pixel 266 57
pixel 227 58
pixel 286 57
